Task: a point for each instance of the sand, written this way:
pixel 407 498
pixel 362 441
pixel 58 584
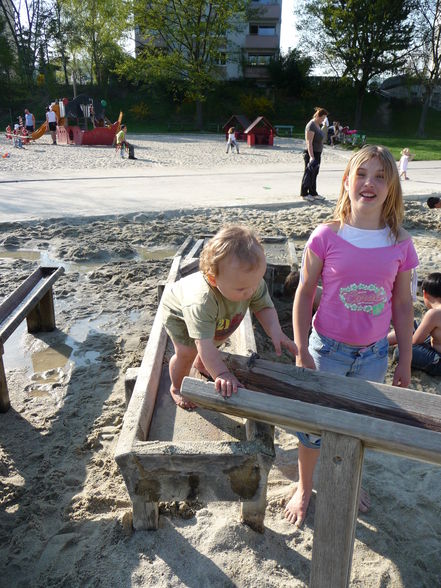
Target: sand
pixel 190 151
pixel 65 511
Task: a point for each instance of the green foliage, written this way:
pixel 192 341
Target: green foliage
pixel 358 39
pixel 254 106
pixel 140 111
pixel 182 42
pixel 290 72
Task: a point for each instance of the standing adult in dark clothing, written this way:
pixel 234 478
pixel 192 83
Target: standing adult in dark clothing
pixel 312 155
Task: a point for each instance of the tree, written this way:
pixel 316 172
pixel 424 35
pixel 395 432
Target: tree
pixel 290 72
pixel 358 39
pixel 24 21
pixel 184 40
pixel 96 28
pixel 424 63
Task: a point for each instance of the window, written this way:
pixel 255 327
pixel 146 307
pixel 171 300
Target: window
pixel 221 58
pixel 256 60
pixel 262 30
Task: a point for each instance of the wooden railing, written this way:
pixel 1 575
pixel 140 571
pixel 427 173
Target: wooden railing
pixel 350 415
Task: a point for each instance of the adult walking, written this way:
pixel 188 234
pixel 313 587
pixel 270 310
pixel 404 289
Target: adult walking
pixel 312 155
pixel 29 121
pixel 52 121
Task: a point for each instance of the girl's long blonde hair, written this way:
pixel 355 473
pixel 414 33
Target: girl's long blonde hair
pixel 393 207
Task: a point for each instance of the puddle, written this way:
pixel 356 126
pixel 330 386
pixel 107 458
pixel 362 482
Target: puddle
pixel 155 254
pixel 48 361
pixel 45 259
pixel 25 254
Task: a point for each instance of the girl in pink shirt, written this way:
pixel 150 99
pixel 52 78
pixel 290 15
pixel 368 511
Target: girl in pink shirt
pixel 364 259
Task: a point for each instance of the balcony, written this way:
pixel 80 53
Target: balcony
pixel 262 42
pixel 271 10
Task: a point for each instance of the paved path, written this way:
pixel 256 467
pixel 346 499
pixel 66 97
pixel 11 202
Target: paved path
pixel 115 191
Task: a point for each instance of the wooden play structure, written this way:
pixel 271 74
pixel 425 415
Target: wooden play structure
pixel 260 132
pixel 32 300
pixel 350 416
pixel 166 453
pixel 240 122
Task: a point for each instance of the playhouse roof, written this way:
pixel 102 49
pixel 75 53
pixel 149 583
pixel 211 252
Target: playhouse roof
pixel 240 118
pixel 256 122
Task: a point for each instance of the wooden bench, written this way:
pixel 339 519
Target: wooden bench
pixel 287 130
pixel 32 300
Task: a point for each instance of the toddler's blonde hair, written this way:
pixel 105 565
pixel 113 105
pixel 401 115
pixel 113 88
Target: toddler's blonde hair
pixel 405 151
pixel 393 207
pixel 232 240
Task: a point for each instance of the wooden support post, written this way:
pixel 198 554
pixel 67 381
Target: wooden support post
pixel 145 514
pixel 341 461
pixel 42 317
pixel 4 394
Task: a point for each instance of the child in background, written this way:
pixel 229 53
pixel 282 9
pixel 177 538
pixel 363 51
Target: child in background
pixel 232 141
pixel 203 309
pixel 434 202
pixel 406 156
pixel 364 259
pixel 426 340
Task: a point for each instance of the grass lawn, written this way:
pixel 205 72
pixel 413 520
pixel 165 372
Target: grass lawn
pixel 424 149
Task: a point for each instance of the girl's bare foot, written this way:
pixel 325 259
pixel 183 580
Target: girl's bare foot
pixel 180 401
pixel 297 506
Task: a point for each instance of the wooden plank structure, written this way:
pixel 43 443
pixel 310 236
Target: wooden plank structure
pixel 32 300
pixel 166 453
pixel 260 132
pixel 395 420
pixel 240 122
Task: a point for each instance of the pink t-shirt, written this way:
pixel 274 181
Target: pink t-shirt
pixel 355 307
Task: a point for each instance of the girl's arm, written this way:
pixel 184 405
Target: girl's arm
pixel 302 309
pixel 402 318
pixel 269 320
pixel 225 382
pixel 309 137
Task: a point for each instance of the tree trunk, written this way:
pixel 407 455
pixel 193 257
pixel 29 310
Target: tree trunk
pixel 199 120
pixel 359 106
pixel 423 115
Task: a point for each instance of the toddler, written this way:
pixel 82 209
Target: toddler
pixel 203 309
pixel 232 141
pixel 406 156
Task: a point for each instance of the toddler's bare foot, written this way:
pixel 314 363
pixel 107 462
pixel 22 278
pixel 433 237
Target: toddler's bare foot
pixel 295 510
pixel 364 503
pixel 180 400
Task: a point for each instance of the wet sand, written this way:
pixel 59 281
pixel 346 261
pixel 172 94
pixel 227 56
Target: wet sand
pixel 65 517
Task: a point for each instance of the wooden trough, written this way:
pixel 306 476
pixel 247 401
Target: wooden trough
pixel 169 454
pixel 33 300
pixel 350 416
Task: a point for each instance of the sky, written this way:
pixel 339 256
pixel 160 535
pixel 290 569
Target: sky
pixel 288 33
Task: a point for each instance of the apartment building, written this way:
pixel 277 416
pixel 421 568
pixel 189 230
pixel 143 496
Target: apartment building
pixel 248 51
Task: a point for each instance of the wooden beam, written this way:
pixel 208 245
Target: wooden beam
pixel 4 393
pixel 375 433
pixel 341 461
pixel 399 405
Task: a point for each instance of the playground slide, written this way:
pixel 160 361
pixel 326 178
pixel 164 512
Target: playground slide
pixel 39 132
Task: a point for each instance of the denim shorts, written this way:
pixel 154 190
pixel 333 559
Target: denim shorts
pixel 362 363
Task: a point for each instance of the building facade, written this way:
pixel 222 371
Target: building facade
pixel 248 51
pixel 257 43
